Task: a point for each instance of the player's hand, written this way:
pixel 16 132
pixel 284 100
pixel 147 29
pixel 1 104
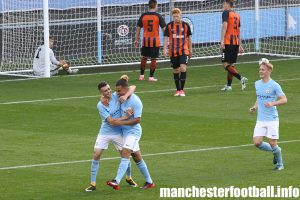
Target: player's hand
pixel 104 100
pixel 136 44
pixel 129 112
pixel 165 52
pixel 269 104
pixel 222 45
pixel 115 123
pixel 190 54
pixel 241 49
pixel 122 98
pixel 252 109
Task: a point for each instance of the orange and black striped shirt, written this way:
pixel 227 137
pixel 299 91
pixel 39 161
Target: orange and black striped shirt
pixel 232 36
pixel 178 38
pixel 150 22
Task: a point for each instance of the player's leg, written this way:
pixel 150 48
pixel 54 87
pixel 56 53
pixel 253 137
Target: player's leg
pixel 144 54
pixel 273 135
pixel 117 141
pixel 123 166
pixel 176 70
pixel 183 72
pixel 154 52
pixel 142 166
pixel 260 131
pixel 100 145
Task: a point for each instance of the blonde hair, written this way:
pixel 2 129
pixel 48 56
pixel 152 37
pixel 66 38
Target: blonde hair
pixel 269 66
pixel 125 77
pixel 176 11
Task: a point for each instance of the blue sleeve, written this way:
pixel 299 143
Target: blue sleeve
pixel 104 113
pixel 278 90
pixel 137 108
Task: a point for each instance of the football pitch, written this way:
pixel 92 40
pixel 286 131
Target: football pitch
pixel 48 128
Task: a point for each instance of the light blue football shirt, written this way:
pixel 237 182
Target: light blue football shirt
pixel 113 111
pixel 267 92
pixel 135 103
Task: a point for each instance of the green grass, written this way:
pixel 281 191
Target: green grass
pixel 65 130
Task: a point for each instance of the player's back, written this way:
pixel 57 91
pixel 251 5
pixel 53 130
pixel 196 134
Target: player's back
pixel 39 58
pixel 150 22
pixel 232 36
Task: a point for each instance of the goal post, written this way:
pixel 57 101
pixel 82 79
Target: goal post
pixel 92 33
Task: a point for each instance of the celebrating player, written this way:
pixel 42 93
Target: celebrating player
pixel 231 44
pixel 132 132
pixel 178 34
pixel 55 65
pixel 150 22
pixel 109 112
pixel 269 95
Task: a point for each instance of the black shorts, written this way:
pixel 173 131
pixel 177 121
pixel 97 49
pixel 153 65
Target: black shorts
pixel 150 52
pixel 179 60
pixel 230 53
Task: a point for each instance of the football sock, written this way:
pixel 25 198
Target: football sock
pixel 144 170
pixel 122 169
pixel 152 67
pixel 128 171
pixel 94 171
pixel 277 153
pixel 143 65
pixel 176 79
pixel 265 146
pixel 233 71
pixel 182 79
pixel 229 79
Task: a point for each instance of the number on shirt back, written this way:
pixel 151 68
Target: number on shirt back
pixel 37 55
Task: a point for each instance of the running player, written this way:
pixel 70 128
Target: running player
pixel 269 95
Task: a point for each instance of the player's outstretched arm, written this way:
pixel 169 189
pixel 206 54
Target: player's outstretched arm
pixel 129 122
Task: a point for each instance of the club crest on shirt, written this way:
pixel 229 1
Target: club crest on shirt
pixel 267 91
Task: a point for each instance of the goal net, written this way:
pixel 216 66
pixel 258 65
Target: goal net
pixel 88 36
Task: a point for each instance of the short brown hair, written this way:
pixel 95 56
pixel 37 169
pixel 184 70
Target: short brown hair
pixel 152 4
pixel 176 11
pixel 230 2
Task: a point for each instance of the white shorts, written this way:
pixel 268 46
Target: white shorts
pixel 268 129
pixel 131 142
pixel 103 141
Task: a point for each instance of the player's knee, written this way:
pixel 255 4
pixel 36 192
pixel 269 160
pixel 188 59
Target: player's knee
pixel 137 157
pixel 257 143
pixel 273 143
pixel 97 155
pixel 183 68
pixel 176 70
pixel 125 153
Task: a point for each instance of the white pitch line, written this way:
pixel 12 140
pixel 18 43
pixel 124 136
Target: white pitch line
pixel 145 155
pixel 141 92
pixel 93 96
pixel 133 70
